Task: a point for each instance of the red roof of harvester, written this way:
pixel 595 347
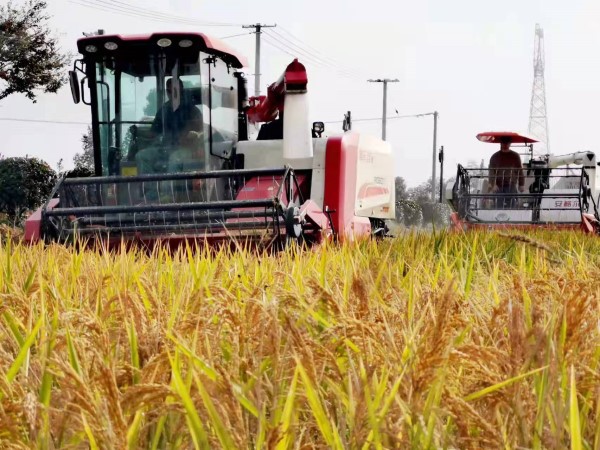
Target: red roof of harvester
pixel 496 137
pixel 209 43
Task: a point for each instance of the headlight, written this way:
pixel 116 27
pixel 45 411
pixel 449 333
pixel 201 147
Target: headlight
pixel 91 48
pixel 164 42
pixel 185 43
pixel 110 45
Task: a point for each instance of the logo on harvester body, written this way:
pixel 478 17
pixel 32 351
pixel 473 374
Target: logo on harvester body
pixel 373 194
pixel 502 217
pixel 366 157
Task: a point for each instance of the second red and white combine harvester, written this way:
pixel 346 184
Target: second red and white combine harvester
pixel 173 158
pixel 558 192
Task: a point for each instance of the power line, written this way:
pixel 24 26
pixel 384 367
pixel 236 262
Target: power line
pixel 311 54
pixel 317 51
pixel 289 51
pixel 372 119
pixel 62 122
pixel 307 57
pixel 136 9
pixel 235 35
pixel 115 6
pixel 66 122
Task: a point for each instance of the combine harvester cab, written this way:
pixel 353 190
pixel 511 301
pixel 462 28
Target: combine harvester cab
pixel 559 192
pixel 174 162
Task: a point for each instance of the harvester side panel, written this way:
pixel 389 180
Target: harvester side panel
pixel 341 161
pixel 375 187
pixel 33 224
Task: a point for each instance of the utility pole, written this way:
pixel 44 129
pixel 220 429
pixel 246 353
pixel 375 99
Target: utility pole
pixel 441 160
pixel 435 119
pixel 385 81
pixel 257 30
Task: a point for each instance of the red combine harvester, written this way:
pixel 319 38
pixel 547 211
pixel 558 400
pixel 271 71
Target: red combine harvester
pixel 173 159
pixel 557 192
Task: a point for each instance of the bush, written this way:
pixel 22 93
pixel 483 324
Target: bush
pixel 25 184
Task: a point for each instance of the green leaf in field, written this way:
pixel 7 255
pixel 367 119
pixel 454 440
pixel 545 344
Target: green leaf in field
pixel 197 430
pixel 134 430
pixel 225 438
pixel 470 271
pixel 498 386
pixel 24 351
pixel 29 280
pixel 14 327
pixel 330 434
pixel 135 356
pixel 244 401
pixel 574 425
pixel 89 433
pixel 73 358
pixel 287 416
pixel 48 377
pixel 160 426
pixel 205 368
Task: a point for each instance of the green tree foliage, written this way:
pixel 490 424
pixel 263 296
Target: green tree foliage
pixel 408 212
pixel 84 161
pixel 150 109
pixel 434 213
pixel 29 56
pixel 25 184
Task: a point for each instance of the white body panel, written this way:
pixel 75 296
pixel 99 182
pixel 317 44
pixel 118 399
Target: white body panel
pixel 375 183
pixel 570 213
pixel 297 140
pixel 268 154
pixel 504 215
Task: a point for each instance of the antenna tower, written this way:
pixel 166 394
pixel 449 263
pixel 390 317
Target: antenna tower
pixel 538 121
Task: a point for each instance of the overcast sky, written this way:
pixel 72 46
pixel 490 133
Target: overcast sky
pixel 471 60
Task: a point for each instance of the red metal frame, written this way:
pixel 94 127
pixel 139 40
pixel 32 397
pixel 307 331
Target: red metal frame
pixel 209 43
pixel 33 224
pixel 265 108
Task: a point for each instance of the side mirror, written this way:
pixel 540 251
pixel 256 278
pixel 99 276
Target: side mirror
pixel 74 86
pixel 317 129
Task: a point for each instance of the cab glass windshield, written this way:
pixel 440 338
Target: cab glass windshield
pixel 160 113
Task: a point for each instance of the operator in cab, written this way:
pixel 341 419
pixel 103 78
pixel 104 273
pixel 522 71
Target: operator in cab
pixel 506 173
pixel 179 123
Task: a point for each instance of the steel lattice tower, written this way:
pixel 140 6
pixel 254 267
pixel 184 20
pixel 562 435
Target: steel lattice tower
pixel 538 120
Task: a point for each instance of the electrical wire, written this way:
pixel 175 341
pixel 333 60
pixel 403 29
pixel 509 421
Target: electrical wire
pixel 128 6
pixel 372 119
pixel 318 52
pixel 118 7
pixel 287 50
pixel 236 35
pixel 313 60
pixel 313 55
pixel 62 122
pixel 66 122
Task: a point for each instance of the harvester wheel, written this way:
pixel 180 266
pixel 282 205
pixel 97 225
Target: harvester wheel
pixel 293 225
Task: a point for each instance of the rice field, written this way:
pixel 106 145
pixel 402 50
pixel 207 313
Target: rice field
pixel 486 340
